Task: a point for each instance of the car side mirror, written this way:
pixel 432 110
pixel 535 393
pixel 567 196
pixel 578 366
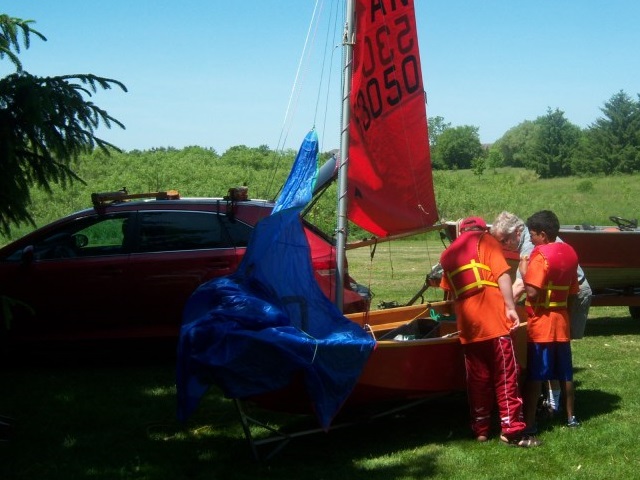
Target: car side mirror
pixel 80 240
pixel 27 255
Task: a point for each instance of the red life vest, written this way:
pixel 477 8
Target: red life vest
pixel 562 262
pixel 462 266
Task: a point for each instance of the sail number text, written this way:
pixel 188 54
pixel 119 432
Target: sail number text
pixel 390 70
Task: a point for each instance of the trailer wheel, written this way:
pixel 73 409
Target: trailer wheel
pixel 635 312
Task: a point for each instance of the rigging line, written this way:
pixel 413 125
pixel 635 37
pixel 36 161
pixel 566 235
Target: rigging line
pixel 337 34
pixel 294 88
pixel 390 259
pixel 333 19
pixel 343 58
pixel 372 252
pixel 306 70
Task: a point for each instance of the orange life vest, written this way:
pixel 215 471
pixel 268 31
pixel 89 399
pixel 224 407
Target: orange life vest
pixel 461 263
pixel 562 262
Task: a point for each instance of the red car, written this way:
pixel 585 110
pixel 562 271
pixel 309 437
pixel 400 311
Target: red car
pixel 125 268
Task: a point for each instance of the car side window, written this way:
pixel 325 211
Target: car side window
pixel 240 232
pixel 179 230
pixel 96 235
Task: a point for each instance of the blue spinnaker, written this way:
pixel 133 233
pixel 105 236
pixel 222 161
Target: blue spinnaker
pixel 256 330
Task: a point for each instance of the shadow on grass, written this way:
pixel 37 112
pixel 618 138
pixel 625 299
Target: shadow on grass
pixel 97 353
pixel 211 445
pixel 364 449
pixel 112 414
pixel 595 403
pixel 589 405
pixel 605 326
pixel 105 413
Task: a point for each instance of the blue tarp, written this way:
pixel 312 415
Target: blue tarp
pixel 254 331
pixel 298 189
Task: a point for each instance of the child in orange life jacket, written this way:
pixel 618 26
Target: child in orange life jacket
pixel 550 278
pixel 513 234
pixel 477 276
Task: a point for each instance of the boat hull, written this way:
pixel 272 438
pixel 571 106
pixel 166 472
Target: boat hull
pixel 405 369
pixel 402 369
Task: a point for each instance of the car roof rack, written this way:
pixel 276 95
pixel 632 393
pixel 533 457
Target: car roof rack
pixel 101 200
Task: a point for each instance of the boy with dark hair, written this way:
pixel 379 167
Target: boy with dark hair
pixel 550 278
pixel 513 234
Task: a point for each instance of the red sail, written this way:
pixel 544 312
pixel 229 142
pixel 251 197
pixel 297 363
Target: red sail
pixel 390 182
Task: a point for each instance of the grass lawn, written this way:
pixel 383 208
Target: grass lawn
pixel 105 415
pixel 116 420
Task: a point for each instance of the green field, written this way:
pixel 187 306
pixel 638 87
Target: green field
pixel 194 171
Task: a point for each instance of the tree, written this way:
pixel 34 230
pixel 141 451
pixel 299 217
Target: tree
pixel 554 141
pixel 516 144
pixel 437 125
pixel 612 143
pixel 457 148
pixel 45 124
pixel 494 157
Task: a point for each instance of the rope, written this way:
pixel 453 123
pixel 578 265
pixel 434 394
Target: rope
pixel 300 76
pixel 294 88
pixel 293 99
pixel 332 15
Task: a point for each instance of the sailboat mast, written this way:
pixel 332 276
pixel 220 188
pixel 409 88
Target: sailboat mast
pixel 342 226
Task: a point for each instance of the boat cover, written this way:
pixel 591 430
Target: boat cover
pixel 254 331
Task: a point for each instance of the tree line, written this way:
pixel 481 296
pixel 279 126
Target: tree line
pixel 550 145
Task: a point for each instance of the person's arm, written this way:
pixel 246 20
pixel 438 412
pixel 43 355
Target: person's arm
pixel 523 265
pixel 532 292
pixel 525 249
pixel 534 281
pixel 504 283
pixel 517 288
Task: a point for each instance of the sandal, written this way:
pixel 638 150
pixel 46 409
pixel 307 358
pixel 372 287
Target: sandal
pixel 524 441
pixel 528 441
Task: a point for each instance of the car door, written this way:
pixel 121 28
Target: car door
pixel 67 283
pixel 176 252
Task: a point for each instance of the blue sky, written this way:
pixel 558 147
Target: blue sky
pixel 219 73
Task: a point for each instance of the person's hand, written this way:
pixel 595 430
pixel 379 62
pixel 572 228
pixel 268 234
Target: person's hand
pixel 513 316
